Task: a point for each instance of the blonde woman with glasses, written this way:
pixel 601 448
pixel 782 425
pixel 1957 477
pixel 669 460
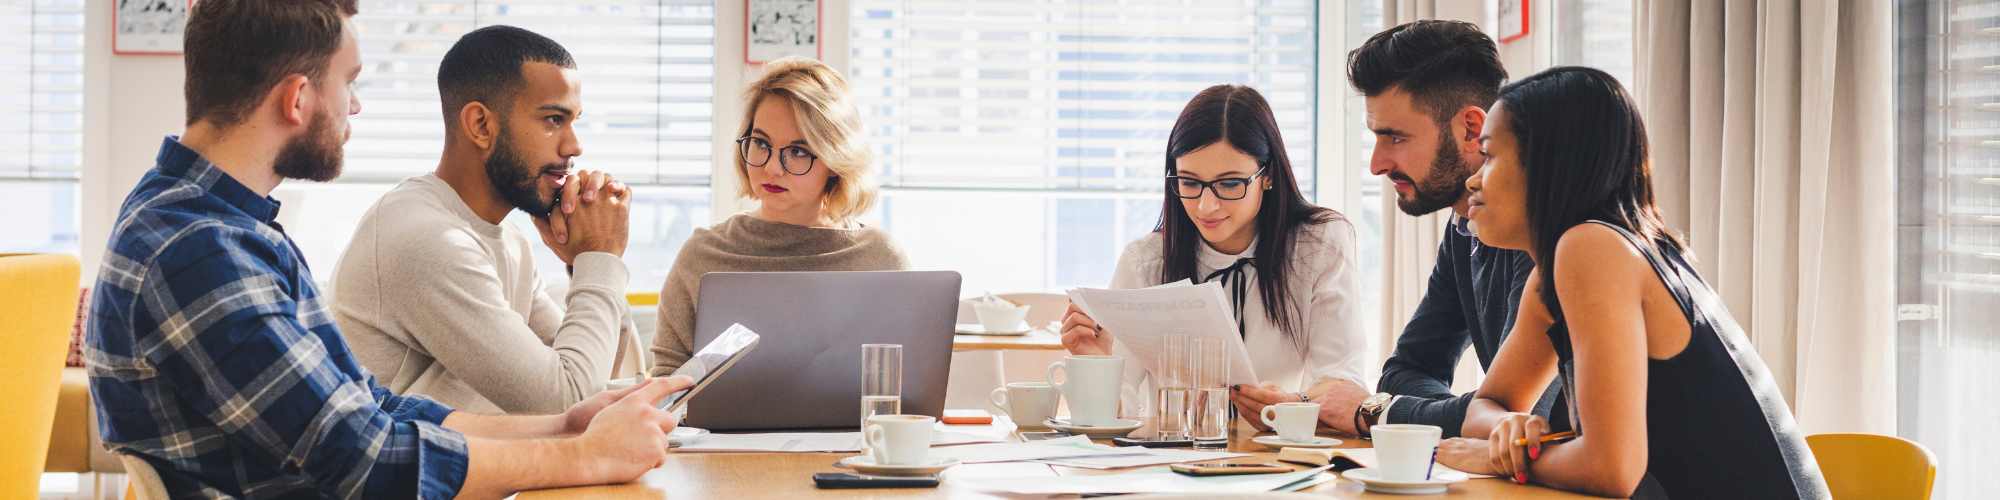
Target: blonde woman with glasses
pixel 801 154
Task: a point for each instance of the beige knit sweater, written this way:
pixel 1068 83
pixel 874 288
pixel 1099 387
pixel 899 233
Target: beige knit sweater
pixel 748 244
pixel 436 301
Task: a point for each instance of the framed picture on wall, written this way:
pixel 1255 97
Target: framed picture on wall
pixel 778 28
pixel 1513 19
pixel 148 26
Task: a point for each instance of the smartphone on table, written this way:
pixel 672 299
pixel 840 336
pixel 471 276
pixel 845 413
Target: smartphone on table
pixel 1229 469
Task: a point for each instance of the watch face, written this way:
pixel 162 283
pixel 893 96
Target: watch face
pixel 1376 400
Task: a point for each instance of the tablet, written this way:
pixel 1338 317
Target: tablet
pixel 712 360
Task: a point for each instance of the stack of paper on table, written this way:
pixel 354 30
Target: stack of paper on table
pixel 1142 318
pixel 1151 480
pixel 810 442
pixel 1076 451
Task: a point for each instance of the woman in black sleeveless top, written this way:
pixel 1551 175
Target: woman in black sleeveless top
pixel 1667 397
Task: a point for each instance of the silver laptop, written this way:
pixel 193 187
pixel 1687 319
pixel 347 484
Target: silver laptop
pixel 806 371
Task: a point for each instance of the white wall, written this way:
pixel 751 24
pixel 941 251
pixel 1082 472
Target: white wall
pixel 129 103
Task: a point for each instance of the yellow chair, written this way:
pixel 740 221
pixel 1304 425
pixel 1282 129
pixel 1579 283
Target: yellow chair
pixel 1874 466
pixel 643 297
pixel 38 304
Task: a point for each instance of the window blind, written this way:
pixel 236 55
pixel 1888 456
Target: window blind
pixel 1066 94
pixel 646 67
pixel 41 88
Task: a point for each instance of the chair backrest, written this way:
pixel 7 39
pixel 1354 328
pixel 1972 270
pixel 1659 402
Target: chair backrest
pixel 144 482
pixel 37 315
pixel 1042 307
pixel 1874 466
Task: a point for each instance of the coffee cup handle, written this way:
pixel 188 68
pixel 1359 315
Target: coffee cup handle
pixel 999 398
pixel 1051 375
pixel 1268 413
pixel 873 436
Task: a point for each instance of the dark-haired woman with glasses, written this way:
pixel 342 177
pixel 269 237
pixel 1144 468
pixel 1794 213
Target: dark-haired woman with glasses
pixel 1667 397
pixel 802 155
pixel 1233 214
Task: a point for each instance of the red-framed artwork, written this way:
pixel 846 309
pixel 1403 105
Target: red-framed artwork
pixel 786 18
pixel 1513 19
pixel 148 26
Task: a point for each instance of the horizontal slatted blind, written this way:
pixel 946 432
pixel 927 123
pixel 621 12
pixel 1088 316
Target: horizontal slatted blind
pixel 41 88
pixel 646 68
pixel 1066 94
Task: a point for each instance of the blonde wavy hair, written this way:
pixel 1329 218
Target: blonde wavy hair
pixel 830 120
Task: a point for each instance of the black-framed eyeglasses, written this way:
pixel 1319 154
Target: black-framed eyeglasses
pixel 756 152
pixel 1227 188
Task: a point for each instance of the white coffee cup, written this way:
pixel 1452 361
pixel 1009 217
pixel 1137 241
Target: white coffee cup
pixel 1027 403
pixel 999 318
pixel 1091 386
pixel 1293 421
pixel 1405 452
pixel 899 439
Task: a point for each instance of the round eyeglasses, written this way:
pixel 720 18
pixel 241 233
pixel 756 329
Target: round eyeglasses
pixel 1227 188
pixel 756 152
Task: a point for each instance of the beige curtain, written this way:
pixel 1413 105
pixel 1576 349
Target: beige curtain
pixel 1772 150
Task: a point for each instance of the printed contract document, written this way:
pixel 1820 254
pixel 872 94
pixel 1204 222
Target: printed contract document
pixel 1139 320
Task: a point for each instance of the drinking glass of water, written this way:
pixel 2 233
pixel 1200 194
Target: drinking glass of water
pixel 881 380
pixel 1170 411
pixel 1208 405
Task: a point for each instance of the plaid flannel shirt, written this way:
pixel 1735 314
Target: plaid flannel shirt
pixel 213 357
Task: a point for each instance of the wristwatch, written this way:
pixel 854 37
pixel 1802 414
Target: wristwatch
pixel 1370 411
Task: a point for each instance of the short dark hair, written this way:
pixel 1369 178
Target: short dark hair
pixel 236 50
pixel 1443 65
pixel 485 67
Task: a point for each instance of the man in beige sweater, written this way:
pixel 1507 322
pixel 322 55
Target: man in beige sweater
pixel 438 296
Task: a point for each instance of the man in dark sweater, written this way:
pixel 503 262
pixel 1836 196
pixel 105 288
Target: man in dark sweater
pixel 1428 85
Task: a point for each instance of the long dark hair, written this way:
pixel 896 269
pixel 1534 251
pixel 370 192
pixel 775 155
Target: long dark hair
pixel 1239 115
pixel 1582 146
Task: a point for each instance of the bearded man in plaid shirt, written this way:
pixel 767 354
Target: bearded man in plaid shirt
pixel 213 358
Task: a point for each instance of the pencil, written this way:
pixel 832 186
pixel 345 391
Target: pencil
pixel 1547 438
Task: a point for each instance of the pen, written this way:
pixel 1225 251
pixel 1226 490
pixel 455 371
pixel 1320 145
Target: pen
pixel 1547 438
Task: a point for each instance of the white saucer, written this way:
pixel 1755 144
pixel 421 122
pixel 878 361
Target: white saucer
pixel 681 435
pixel 978 329
pixel 1278 442
pixel 866 465
pixel 1371 479
pixel 1118 429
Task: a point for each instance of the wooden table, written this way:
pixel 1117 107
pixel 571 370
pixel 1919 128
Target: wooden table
pixel 1037 340
pixel 695 475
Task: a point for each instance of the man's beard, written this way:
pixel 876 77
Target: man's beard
pixel 1443 187
pixel 314 155
pixel 516 182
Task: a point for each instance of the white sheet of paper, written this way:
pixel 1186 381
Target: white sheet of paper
pixel 1153 480
pixel 806 442
pixel 1068 447
pixel 811 442
pixel 1141 319
pixel 1136 456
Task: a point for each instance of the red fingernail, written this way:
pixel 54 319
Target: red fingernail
pixel 1535 453
pixel 1521 477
